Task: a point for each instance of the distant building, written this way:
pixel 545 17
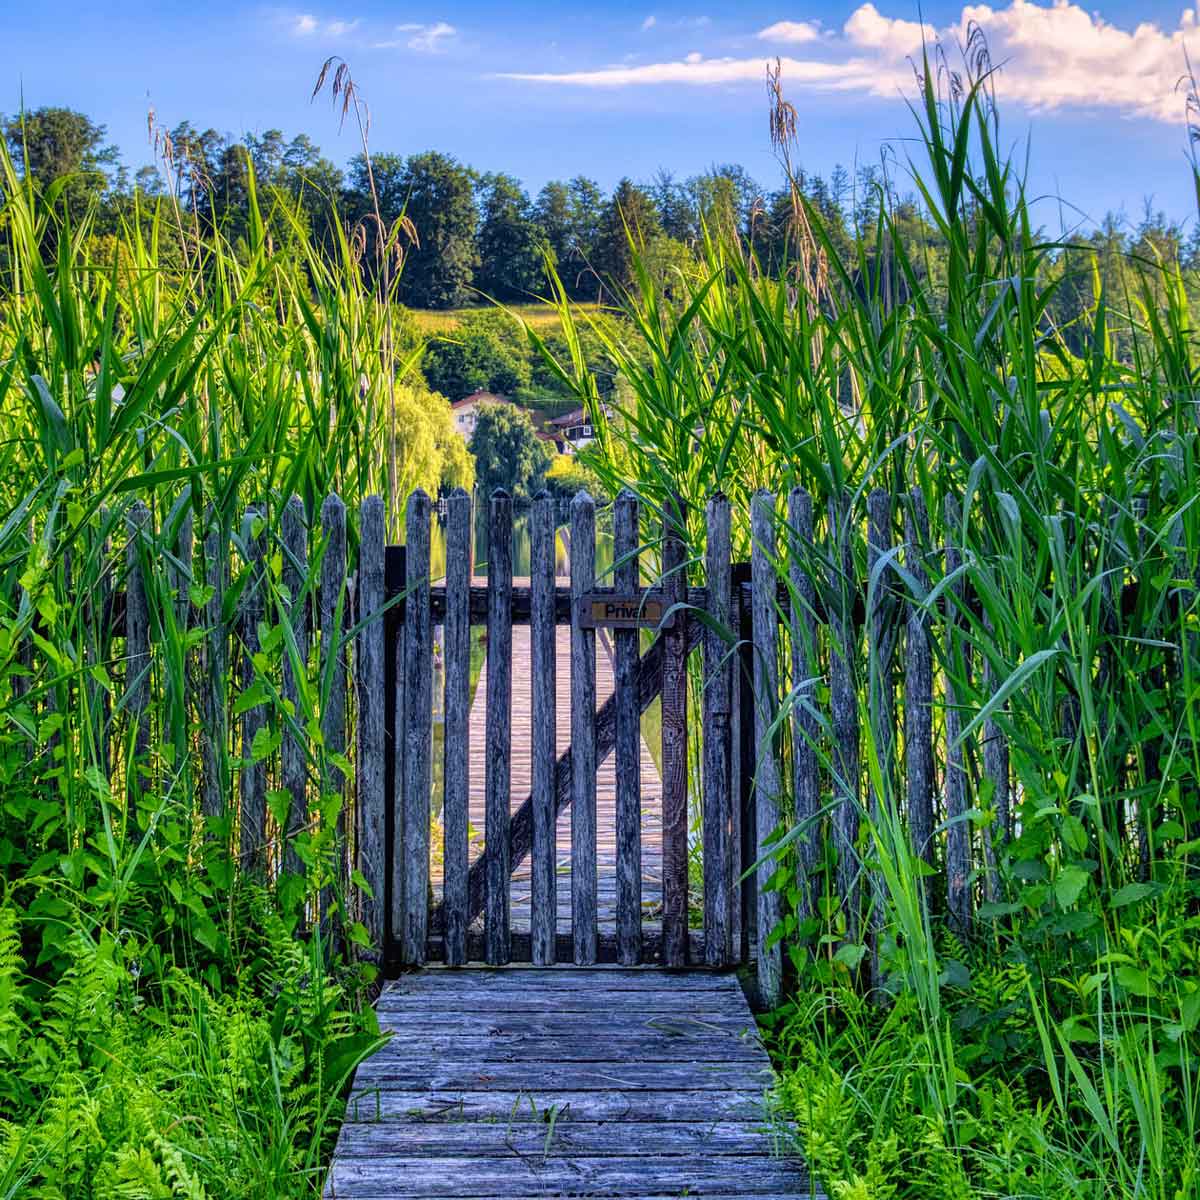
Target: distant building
pixel 572 431
pixel 466 411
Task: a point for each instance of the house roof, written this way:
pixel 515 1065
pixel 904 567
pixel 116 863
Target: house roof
pixel 575 417
pixel 474 398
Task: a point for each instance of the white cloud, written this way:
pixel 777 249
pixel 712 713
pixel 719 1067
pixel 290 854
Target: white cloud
pixel 650 22
pixel 795 33
pixel 425 39
pixel 306 25
pixel 1051 56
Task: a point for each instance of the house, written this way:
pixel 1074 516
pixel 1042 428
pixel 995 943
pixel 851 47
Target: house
pixel 466 411
pixel 572 431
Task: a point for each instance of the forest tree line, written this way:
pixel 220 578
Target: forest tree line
pixel 471 235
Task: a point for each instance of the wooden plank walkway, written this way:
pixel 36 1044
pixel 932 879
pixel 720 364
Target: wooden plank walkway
pixel 562 1081
pixel 606 791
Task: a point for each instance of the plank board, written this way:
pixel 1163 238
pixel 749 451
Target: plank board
pixel 568 1081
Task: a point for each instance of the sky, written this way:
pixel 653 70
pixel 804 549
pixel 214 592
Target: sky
pixel 1090 97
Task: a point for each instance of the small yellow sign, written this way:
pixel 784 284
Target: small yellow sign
pixel 608 611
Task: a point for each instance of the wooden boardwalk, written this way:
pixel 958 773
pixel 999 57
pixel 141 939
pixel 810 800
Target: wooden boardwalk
pixel 606 790
pixel 563 1081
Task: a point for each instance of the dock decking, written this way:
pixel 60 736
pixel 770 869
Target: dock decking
pixel 527 1082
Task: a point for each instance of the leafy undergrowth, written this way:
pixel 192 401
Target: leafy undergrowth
pixel 123 1074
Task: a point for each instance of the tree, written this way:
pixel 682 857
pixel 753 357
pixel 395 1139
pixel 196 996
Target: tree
pixel 629 220
pixel 483 352
pixel 508 452
pixel 439 200
pixel 52 144
pixel 510 243
pixel 552 213
pixel 587 214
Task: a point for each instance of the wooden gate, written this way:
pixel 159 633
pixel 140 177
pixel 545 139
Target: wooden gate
pixel 471 918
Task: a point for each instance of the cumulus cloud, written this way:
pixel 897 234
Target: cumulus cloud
pixel 304 24
pixel 650 22
pixel 795 33
pixel 1051 56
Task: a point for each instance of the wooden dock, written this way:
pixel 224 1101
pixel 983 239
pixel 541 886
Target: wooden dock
pixel 528 1082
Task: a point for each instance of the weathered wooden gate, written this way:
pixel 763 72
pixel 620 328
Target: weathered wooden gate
pixel 471 920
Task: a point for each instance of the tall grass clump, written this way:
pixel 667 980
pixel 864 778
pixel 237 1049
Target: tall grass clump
pixel 174 1020
pixel 1032 1031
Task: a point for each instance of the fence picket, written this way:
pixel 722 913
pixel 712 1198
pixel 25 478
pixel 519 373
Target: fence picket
pixel 628 747
pixel 584 924
pixel 499 731
pixel 806 780
pixel 717 708
pixel 369 651
pixel 418 729
pixel 333 674
pixel 843 643
pixel 294 748
pixel 918 686
pixel 214 733
pixel 137 638
pixel 456 742
pixel 253 778
pixel 958 830
pixel 767 785
pixel 543 884
pixel 674 740
pixel 881 695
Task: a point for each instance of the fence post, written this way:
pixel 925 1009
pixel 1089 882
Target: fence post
pixel 674 739
pixel 456 743
pixel 498 780
pixel 418 729
pixel 370 650
pixel 767 787
pixel 717 710
pixel 543 915
pixel 583 735
pixel 628 745
pixel 806 782
pixel 294 749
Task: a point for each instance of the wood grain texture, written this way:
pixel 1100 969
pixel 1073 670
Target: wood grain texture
pixel 717 709
pixel 456 746
pixel 418 729
pixel 583 737
pixel 369 651
pixel 806 674
pixel 675 739
pixel 293 752
pixel 253 779
pixel 543 853
pixel 497 853
pixel 918 685
pixel 626 577
pixel 767 782
pixel 494 1085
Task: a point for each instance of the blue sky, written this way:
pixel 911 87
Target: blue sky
pixel 547 90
